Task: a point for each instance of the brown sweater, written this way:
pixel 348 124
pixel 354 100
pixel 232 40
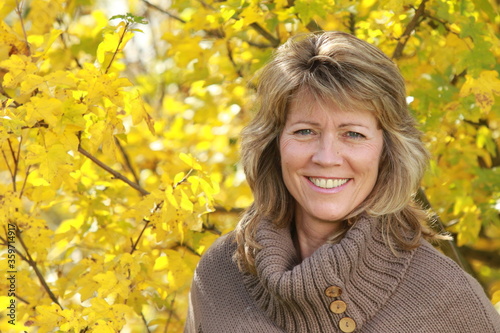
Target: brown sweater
pixel 358 285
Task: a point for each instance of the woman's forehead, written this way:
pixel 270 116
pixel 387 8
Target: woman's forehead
pixel 306 101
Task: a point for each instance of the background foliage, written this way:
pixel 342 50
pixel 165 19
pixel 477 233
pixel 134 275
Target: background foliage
pixel 119 136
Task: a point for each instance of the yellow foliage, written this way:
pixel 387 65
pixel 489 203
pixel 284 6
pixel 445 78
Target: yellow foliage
pixel 484 88
pixel 120 149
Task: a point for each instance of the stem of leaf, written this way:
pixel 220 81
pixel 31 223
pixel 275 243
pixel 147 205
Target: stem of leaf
pixel 117 48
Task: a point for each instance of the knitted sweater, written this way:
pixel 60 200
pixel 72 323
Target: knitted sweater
pixel 357 285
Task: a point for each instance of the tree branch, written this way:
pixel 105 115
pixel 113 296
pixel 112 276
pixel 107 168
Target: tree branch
pixel 257 27
pixel 149 4
pixel 34 266
pixel 231 59
pixel 128 163
pixel 115 173
pixel 448 247
pixel 410 28
pixel 264 33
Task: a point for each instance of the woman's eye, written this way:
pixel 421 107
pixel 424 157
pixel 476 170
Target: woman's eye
pixel 355 135
pixel 304 132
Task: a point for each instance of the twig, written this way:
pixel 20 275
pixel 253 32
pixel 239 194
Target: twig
pixel 398 51
pixel 136 243
pixel 6 94
pixel 22 299
pixel 184 246
pixel 183 179
pixel 145 322
pixel 257 27
pixel 115 173
pixel 313 26
pixel 158 206
pixel 10 170
pixel 259 45
pixel 149 4
pixel 34 266
pixel 18 11
pixel 171 312
pixel 14 155
pixel 128 163
pixel 39 124
pixel 25 180
pixel 15 158
pixel 117 48
pixel 264 33
pixel 230 55
pixel 61 36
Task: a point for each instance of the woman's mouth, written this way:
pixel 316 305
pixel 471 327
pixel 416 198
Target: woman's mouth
pixel 328 183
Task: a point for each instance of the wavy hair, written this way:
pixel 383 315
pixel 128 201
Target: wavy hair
pixel 339 68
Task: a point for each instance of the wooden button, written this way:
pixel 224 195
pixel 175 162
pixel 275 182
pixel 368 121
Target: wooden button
pixel 347 325
pixel 333 291
pixel 338 306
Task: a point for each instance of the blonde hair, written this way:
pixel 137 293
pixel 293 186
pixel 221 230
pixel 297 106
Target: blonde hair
pixel 336 68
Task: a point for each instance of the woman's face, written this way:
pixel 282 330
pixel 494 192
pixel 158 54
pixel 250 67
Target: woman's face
pixel 329 158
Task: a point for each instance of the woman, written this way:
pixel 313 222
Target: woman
pixel 333 241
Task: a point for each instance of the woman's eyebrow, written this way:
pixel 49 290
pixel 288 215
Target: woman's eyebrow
pixel 306 122
pixel 353 124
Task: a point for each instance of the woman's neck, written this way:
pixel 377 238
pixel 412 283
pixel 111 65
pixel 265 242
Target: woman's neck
pixel 309 236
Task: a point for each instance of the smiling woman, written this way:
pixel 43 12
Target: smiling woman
pixel 329 163
pixel 333 241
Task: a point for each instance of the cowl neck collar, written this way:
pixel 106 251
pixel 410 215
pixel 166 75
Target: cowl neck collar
pixel 292 293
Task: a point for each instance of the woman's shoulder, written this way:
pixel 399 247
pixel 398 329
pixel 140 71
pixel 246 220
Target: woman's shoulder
pixel 219 256
pixel 442 282
pixel 440 271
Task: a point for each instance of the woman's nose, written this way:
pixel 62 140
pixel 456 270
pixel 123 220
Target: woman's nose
pixel 328 152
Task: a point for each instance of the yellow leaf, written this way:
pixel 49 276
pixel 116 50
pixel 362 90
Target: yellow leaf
pixel 484 88
pixel 30 83
pixel 161 263
pixel 227 13
pixel 169 194
pixel 251 14
pixel 179 177
pixel 42 193
pixel 189 160
pixel 44 108
pixel 18 66
pixel 48 315
pixel 186 204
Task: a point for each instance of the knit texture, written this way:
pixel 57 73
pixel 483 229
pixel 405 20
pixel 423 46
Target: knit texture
pixel 410 291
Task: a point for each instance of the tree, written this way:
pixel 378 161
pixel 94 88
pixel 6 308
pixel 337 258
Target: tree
pixel 119 161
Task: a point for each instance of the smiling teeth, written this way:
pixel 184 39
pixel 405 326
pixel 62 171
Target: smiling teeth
pixel 328 183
